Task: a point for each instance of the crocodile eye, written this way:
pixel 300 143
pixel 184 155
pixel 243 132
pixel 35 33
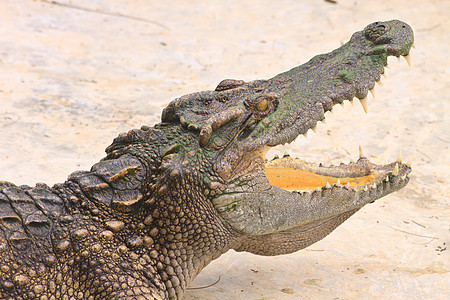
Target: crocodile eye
pixel 262 105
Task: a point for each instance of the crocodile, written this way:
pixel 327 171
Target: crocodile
pixel 168 199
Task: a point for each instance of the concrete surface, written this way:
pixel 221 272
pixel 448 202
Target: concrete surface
pixel 73 77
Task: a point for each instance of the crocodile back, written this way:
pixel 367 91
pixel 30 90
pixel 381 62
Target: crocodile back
pixel 27 220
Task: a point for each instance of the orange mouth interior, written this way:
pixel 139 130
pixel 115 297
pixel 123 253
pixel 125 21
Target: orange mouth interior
pixel 297 179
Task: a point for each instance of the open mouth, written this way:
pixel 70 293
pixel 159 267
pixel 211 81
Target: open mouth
pixel 293 174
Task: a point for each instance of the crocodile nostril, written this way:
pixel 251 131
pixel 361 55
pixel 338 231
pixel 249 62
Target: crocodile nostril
pixel 375 30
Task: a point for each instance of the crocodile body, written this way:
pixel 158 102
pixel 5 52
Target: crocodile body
pixel 168 199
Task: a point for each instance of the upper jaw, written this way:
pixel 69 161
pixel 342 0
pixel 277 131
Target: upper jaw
pixel 308 91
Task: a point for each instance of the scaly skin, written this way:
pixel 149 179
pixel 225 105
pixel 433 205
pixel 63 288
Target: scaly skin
pixel 166 200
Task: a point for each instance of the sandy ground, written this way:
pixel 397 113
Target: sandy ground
pixel 71 79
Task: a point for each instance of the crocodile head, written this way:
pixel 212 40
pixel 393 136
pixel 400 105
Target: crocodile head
pixel 286 204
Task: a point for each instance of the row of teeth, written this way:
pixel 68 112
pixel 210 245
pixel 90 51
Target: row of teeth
pixel 363 101
pixel 366 188
pixel 282 150
pixel 393 174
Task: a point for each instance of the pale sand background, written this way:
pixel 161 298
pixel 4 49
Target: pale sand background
pixel 71 80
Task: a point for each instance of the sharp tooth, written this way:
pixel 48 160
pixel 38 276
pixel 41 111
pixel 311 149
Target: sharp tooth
pixel 408 59
pixel 387 178
pixel 379 83
pixel 366 188
pixel 403 177
pixel 399 157
pixel 387 66
pixel 314 129
pixel 305 134
pixel 361 153
pixel 324 121
pixel 347 185
pixel 372 91
pixel 374 185
pixel 364 104
pixel 384 75
pixel 395 171
pixel 409 163
pixel 398 57
pixel 328 186
pixel 338 182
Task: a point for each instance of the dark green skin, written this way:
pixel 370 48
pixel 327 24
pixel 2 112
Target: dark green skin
pixel 166 200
